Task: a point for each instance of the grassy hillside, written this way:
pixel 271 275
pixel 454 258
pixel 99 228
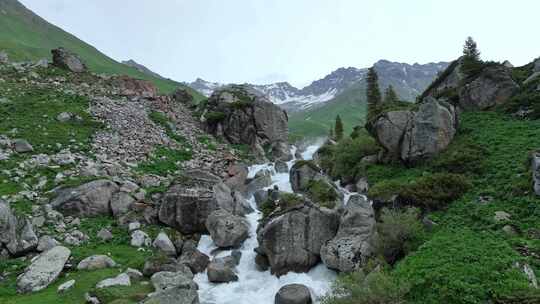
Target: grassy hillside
pixel 350 105
pixel 26 36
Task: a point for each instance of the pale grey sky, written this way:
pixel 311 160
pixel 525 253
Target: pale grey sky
pixel 293 40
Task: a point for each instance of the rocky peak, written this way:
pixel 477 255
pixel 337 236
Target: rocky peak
pixel 141 68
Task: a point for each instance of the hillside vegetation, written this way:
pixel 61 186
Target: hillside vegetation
pixel 26 36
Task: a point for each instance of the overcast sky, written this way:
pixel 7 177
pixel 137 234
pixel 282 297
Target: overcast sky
pixel 293 40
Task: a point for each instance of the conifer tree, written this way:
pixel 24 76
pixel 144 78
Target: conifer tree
pixel 390 95
pixel 338 129
pixel 373 94
pixel 471 62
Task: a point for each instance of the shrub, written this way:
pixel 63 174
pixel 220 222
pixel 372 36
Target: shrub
pixel 434 191
pixel 286 200
pixel 348 155
pixel 386 189
pixel 378 287
pixel 399 233
pixel 322 193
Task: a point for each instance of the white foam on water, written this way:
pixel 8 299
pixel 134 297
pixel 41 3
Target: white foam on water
pixel 254 286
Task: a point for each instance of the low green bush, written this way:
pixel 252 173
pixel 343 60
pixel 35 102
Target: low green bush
pixel 213 117
pixel 462 156
pixel 399 233
pixel 434 191
pixel 378 287
pixel 322 194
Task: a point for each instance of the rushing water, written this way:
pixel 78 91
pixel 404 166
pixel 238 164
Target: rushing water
pixel 254 286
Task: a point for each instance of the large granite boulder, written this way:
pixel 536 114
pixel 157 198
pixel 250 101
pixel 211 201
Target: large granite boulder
pixel 16 232
pixel 227 230
pixel 411 136
pixel 431 130
pixel 353 244
pixel 67 60
pixel 492 87
pixel 242 115
pixel 44 270
pixel 292 240
pixel 90 199
pixel 187 205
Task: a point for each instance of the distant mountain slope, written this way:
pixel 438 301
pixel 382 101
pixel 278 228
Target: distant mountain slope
pixel 26 36
pixel 409 81
pixel 141 68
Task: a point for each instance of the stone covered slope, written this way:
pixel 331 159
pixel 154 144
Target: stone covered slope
pixel 86 161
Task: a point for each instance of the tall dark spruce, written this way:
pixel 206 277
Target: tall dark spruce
pixel 373 94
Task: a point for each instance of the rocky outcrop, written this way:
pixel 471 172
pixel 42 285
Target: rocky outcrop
pixel 292 241
pixel 293 294
pixel 187 205
pixel 492 86
pixel 242 115
pixel 16 232
pixel 67 60
pixel 184 97
pixel 91 199
pixel 44 270
pixel 132 87
pixel 411 136
pixel 302 173
pixel 353 244
pixel 227 230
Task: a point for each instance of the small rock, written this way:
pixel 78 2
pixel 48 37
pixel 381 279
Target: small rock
pixel 293 294
pixel 104 235
pixel 165 280
pixel 193 258
pixel 501 216
pixel 46 242
pixel 96 262
pixel 134 226
pixel 121 203
pixel 510 230
pixel 219 272
pixel 129 187
pixel 134 274
pixel 64 117
pixel 22 146
pixel 66 286
pixel 120 280
pixel 164 243
pixel 91 300
pixel 139 239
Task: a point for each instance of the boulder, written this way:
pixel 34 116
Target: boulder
pixel 389 129
pixel 535 168
pixel 292 240
pixel 46 242
pixel 431 130
pixel 221 272
pixel 163 263
pixel 120 280
pixel 183 96
pixel 121 203
pixel 187 205
pixel 44 270
pixel 175 295
pixel 96 262
pixel 193 258
pixel 164 244
pixel 412 136
pixel 67 60
pixel 139 238
pixel 132 87
pixel 302 173
pixel 353 244
pixel 165 280
pixel 16 232
pixel 227 230
pixel 492 87
pixel 90 199
pixel 293 294
pixel 4 58
pixel 22 146
pixel 242 115
pixel 66 286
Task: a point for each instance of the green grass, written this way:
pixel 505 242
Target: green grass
pixel 468 258
pixel 117 248
pixel 165 161
pixel 349 105
pixel 25 36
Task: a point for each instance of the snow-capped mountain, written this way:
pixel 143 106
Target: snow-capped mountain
pixel 408 80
